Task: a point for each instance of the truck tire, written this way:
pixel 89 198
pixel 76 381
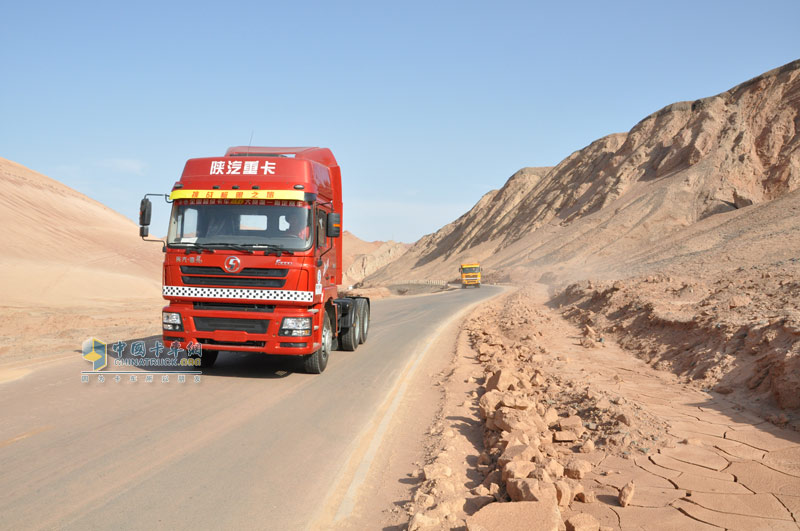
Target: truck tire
pixel 315 363
pixel 208 359
pixel 364 316
pixel 350 339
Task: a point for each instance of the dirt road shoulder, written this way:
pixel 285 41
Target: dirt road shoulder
pixel 581 431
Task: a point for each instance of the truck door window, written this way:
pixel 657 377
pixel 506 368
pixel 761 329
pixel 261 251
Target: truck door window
pixel 183 226
pixel 322 224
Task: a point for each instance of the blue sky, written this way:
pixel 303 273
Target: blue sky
pixel 426 105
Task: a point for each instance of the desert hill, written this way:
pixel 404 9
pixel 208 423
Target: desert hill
pixel 488 219
pixel 627 195
pixel 70 268
pixel 685 233
pixel 61 248
pixel 360 259
pixel 355 246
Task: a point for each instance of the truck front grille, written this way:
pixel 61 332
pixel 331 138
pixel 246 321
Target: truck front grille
pixel 246 272
pixel 208 341
pixel 211 324
pixel 234 282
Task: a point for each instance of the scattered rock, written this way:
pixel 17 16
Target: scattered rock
pixel 518 452
pixel 516 516
pixel 436 470
pixel 510 419
pixel 480 501
pixel 518 469
pixel 525 489
pixel 501 380
pixel 564 436
pixel 577 469
pixel 603 403
pixel 626 494
pixel 570 423
pixel 488 403
pixel 563 493
pixel 553 468
pixel 423 521
pixel 625 419
pixel 582 522
pixel 550 417
pixel 494 478
pixel 738 301
pixel 588 342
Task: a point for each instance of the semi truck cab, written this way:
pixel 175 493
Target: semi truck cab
pixel 470 275
pixel 253 257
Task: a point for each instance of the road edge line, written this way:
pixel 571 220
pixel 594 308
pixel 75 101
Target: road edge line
pixel 379 425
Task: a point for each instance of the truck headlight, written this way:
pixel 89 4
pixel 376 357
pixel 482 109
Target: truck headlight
pixel 295 326
pixel 172 321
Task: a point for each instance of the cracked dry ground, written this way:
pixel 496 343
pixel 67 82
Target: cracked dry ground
pixel 565 426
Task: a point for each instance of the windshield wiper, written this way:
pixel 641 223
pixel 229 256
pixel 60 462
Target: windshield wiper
pixel 225 245
pixel 190 247
pixel 246 248
pixel 269 248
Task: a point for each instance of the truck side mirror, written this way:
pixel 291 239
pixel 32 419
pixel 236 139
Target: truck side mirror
pixel 334 229
pixel 145 211
pixel 144 232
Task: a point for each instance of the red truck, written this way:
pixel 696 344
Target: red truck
pixel 253 257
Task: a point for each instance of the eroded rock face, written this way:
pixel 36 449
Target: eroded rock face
pixel 689 325
pixel 361 259
pixel 678 169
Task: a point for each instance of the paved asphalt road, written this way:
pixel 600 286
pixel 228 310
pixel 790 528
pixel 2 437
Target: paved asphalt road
pixel 253 445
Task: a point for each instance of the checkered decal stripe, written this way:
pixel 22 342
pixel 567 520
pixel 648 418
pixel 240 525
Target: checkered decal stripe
pixel 234 293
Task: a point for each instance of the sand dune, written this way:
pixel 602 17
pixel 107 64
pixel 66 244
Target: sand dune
pixel 61 248
pixel 70 268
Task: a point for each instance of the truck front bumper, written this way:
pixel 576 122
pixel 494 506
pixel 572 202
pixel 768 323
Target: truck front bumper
pixel 242 331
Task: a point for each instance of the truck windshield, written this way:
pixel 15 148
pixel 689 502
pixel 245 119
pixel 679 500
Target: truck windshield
pixel 283 224
pixel 470 269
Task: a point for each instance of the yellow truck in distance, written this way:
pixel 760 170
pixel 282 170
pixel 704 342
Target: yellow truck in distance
pixel 470 275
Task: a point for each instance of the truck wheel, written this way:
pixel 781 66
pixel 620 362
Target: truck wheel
pixel 315 363
pixel 208 359
pixel 350 339
pixel 364 316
